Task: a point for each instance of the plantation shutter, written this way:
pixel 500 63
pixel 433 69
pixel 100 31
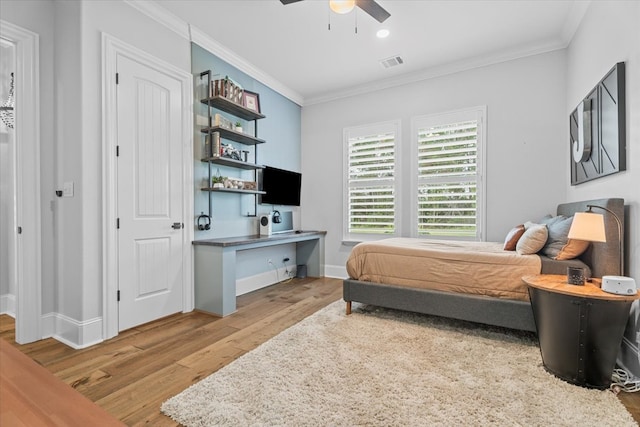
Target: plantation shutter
pixel 448 176
pixel 371 175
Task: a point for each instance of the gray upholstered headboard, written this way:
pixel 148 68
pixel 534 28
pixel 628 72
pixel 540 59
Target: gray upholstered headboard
pixel 603 258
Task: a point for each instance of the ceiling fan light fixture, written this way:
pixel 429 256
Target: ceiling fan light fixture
pixel 342 6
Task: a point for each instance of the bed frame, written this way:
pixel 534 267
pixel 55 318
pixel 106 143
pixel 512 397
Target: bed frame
pixel 603 258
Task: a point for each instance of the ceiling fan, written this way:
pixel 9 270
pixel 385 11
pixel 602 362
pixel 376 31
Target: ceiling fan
pixel 345 6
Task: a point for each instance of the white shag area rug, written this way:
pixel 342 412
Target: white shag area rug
pixel 380 367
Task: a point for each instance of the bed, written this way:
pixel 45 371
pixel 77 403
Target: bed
pixel 453 293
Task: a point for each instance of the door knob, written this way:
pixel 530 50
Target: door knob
pixel 177 225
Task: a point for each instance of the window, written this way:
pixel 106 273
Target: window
pixel 370 165
pixel 448 163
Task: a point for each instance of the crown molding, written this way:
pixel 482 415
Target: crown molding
pixel 161 15
pixel 434 72
pixel 155 11
pixel 204 40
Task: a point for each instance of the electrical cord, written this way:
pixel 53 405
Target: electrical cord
pixel 622 381
pixel 289 279
pixel 277 274
pixel 286 271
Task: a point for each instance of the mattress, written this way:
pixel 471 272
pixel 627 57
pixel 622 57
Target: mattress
pixel 478 268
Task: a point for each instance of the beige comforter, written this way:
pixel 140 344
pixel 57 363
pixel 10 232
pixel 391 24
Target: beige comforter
pixel 481 268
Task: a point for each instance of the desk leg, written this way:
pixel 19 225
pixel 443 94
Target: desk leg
pixel 311 253
pixel 215 279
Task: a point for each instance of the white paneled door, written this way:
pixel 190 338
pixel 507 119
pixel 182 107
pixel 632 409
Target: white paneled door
pixel 149 194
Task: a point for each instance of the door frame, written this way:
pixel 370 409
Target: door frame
pixel 111 49
pixel 26 177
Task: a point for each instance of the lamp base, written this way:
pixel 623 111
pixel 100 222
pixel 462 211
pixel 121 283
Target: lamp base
pixel 619 285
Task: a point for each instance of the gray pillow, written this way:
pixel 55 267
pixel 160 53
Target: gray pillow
pixel 558 245
pixel 558 228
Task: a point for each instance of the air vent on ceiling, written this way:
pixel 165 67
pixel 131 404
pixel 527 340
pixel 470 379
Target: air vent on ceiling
pixel 391 62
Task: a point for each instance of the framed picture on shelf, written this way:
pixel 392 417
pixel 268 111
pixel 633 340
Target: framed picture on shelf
pixel 251 101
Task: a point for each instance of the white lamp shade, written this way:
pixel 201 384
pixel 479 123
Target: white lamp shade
pixel 587 226
pixel 342 6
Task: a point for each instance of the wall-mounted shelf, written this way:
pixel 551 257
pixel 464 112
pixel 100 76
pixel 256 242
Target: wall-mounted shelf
pixel 232 135
pixel 231 107
pixel 225 161
pixel 232 190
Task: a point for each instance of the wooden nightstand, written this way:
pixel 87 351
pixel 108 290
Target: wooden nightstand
pixel 580 328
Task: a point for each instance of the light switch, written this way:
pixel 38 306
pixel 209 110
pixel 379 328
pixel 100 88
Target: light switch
pixel 67 190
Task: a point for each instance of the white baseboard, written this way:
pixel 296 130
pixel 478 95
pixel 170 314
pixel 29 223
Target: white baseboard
pixel 262 280
pixel 336 271
pixel 48 325
pixel 71 332
pixel 75 334
pixel 8 305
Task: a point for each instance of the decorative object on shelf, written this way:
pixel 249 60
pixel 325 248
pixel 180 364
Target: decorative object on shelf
pixel 597 129
pixel 6 110
pixel 227 88
pixel 212 145
pixel 250 185
pixel 251 101
pixel 217 181
pixel 222 121
pixel 230 152
pixel 216 148
pixel 238 127
pixel 239 184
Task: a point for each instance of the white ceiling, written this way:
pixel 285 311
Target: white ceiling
pixel 293 45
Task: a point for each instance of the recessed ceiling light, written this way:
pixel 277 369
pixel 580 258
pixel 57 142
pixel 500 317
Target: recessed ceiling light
pixel 382 33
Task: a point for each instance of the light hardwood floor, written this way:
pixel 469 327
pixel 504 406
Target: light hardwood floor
pixel 132 374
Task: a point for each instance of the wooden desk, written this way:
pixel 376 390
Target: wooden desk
pixel 32 396
pixel 215 265
pixel 580 328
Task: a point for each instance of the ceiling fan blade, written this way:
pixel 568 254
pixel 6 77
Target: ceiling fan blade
pixel 373 9
pixel 286 2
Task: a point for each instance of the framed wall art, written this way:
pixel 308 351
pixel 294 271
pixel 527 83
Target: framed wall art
pixel 597 129
pixel 251 101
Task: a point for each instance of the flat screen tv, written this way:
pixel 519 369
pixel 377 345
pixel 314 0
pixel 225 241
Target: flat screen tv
pixel 282 187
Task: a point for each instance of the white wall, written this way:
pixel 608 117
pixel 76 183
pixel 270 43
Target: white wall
pixel 525 147
pixel 610 33
pixel 37 16
pixel 80 26
pixel 7 230
pixel 72 149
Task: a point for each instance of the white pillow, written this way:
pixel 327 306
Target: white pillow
pixel 533 239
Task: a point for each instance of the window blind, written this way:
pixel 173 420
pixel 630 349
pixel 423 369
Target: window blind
pixel 447 179
pixel 371 199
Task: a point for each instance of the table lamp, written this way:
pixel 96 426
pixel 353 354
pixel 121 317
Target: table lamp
pixel 589 226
